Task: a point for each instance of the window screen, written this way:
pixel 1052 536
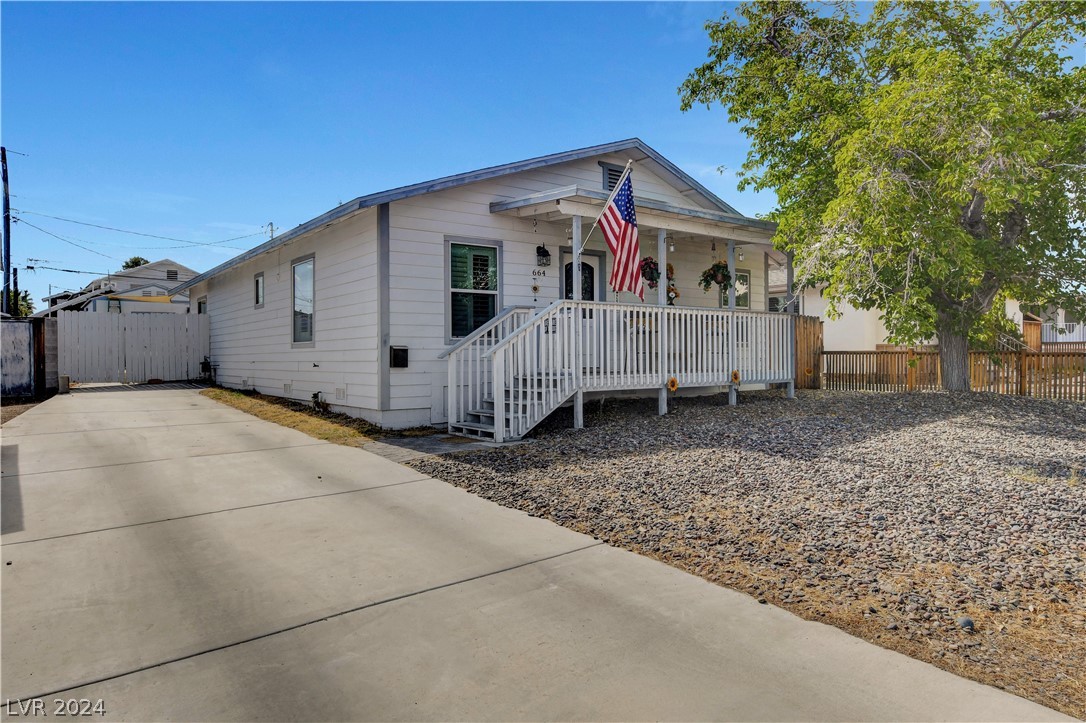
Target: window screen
pixel 303 302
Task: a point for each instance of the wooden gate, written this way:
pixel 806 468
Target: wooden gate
pixel 808 352
pixel 100 346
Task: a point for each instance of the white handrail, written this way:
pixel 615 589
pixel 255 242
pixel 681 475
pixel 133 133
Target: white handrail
pixel 484 328
pixel 525 326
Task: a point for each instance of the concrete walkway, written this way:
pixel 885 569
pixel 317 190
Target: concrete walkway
pixel 179 559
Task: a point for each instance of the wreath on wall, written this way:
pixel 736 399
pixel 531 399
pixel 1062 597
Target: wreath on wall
pixel 650 271
pixel 718 274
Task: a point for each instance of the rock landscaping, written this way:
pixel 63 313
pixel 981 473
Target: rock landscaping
pixel 951 528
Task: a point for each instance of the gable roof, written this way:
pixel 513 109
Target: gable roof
pixel 137 271
pixel 682 181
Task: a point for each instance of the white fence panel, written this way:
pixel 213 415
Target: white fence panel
pixel 131 348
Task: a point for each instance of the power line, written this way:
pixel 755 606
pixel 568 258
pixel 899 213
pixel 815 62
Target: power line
pixel 140 233
pixel 108 274
pixel 120 246
pixel 61 238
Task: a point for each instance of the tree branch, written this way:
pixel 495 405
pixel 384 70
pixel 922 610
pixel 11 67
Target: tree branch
pixel 1073 111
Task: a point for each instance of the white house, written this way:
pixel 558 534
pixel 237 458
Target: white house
pixel 425 304
pixel 143 289
pixel 862 329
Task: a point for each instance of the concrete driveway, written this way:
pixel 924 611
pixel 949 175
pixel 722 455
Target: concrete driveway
pixel 178 559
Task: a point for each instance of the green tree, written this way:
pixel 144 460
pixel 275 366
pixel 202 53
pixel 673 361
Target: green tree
pixel 21 303
pixel 927 157
pixel 134 262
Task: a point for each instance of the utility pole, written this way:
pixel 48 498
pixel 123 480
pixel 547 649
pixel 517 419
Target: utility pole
pixel 15 293
pixel 7 232
pixel 271 230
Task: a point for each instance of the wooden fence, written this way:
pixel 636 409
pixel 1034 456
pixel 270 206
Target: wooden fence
pixel 1047 374
pixel 1079 346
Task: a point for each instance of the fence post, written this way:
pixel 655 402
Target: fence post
pixel 1022 372
pixel 910 370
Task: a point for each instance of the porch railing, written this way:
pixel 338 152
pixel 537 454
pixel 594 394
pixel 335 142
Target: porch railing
pixel 470 369
pixel 1068 332
pixel 574 346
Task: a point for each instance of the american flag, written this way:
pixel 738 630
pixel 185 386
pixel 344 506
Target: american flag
pixel 619 225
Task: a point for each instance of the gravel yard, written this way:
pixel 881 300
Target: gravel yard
pixel 950 528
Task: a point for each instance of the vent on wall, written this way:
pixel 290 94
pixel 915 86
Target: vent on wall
pixel 244 383
pixel 171 274
pixel 286 388
pixel 611 174
pixel 341 394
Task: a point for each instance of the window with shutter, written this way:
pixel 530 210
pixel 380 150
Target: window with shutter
pixel 473 287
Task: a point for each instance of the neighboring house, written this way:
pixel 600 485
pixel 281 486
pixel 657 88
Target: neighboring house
pixel 143 289
pixel 861 329
pixel 366 304
pixel 1061 326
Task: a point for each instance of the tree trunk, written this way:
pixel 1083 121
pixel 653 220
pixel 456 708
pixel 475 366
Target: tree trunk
pixel 953 359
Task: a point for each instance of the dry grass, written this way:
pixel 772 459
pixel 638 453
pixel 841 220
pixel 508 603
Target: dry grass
pixel 11 411
pixel 329 426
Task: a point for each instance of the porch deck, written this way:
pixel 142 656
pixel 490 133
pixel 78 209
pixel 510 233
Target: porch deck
pixel 533 362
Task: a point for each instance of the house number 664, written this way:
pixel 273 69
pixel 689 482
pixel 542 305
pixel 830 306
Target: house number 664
pixel 539 272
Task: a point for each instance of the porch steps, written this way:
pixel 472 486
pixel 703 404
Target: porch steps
pixel 525 392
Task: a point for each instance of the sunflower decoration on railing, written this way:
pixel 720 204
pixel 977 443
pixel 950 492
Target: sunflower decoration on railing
pixel 672 384
pixel 735 376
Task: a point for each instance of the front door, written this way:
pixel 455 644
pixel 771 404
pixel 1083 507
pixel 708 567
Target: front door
pixel 590 264
pixel 588 281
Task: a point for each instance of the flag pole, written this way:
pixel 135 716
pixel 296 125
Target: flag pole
pixel 614 191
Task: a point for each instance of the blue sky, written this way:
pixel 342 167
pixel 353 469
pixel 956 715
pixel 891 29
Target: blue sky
pixel 204 121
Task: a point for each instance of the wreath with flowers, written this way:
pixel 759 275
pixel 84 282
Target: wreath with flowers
pixel 650 271
pixel 718 274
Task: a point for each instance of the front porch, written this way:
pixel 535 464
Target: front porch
pixel 512 372
pixel 509 375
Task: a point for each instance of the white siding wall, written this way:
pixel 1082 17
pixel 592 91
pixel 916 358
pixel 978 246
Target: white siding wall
pixel 418 280
pixel 855 330
pixel 255 344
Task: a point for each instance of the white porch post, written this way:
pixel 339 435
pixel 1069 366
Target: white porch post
pixel 499 397
pixel 661 300
pixel 732 348
pixel 578 328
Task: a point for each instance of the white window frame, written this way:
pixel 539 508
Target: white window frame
pixel 450 241
pixel 313 319
pixel 724 292
pixel 201 305
pixel 259 290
